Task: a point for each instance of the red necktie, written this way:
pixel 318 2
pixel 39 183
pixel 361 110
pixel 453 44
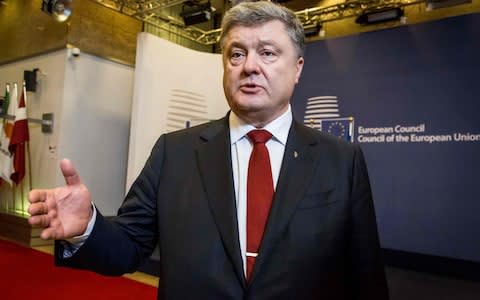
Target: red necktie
pixel 259 194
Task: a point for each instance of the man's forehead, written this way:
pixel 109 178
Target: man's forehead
pixel 269 23
pixel 236 32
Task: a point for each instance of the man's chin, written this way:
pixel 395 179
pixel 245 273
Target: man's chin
pixel 253 115
pixel 251 103
pixel 250 109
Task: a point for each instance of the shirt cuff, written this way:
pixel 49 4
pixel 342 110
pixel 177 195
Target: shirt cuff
pixel 73 244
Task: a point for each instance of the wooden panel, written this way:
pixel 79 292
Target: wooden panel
pixel 26 31
pixel 93 28
pixel 415 14
pixel 104 32
pixel 16 228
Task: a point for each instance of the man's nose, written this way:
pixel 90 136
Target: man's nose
pixel 251 64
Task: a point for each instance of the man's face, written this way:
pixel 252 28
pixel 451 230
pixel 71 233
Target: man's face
pixel 260 69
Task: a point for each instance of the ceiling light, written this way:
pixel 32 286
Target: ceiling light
pixel 434 4
pixel 193 13
pixel 312 29
pixel 380 15
pixel 60 10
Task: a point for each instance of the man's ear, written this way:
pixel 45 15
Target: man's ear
pixel 299 66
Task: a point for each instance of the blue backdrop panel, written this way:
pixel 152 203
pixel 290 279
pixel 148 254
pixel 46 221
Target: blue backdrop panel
pixel 424 77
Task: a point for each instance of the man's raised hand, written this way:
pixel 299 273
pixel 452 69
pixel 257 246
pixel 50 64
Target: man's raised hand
pixel 63 212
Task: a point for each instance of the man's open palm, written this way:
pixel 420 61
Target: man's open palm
pixel 63 212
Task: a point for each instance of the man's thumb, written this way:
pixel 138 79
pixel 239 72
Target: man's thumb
pixel 69 172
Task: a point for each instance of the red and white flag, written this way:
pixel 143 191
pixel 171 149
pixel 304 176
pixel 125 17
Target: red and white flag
pixel 20 136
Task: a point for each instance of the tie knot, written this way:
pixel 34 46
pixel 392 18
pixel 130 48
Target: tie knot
pixel 259 136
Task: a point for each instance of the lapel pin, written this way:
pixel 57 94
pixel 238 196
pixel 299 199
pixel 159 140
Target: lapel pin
pixel 295 154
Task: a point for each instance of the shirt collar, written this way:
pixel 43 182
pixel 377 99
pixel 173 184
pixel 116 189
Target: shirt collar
pixel 278 128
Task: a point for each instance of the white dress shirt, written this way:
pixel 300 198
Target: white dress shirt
pixel 241 149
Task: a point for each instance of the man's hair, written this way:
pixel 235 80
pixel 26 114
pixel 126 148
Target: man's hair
pixel 251 14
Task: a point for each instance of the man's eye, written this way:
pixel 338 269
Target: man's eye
pixel 236 55
pixel 269 56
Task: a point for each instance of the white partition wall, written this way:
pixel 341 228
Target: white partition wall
pixel 90 98
pixel 173 85
pixel 96 126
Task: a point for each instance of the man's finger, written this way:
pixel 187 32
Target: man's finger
pixel 69 172
pixel 37 209
pixel 37 196
pixel 41 220
pixel 48 234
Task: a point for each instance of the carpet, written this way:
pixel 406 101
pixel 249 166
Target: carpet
pixel 29 274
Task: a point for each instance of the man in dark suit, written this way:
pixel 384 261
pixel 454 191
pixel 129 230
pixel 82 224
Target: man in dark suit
pixel 316 236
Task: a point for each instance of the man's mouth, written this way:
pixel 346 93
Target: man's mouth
pixel 250 88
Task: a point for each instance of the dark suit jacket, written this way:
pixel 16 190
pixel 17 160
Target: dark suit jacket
pixel 320 242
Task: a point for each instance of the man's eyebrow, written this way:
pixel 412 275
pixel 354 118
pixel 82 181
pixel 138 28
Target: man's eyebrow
pixel 268 43
pixel 235 44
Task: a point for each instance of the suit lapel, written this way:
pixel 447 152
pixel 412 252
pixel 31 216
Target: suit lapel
pixel 214 160
pixel 298 165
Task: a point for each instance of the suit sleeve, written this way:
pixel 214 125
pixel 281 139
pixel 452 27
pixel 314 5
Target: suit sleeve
pixel 368 275
pixel 120 245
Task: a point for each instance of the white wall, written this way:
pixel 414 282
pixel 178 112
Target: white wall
pixel 96 124
pixel 173 84
pixel 47 99
pixel 91 101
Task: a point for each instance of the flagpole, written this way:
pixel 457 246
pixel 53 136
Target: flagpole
pixel 5 103
pixel 29 157
pixel 15 104
pixel 13 195
pixel 7 206
pixel 27 144
pixel 21 197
